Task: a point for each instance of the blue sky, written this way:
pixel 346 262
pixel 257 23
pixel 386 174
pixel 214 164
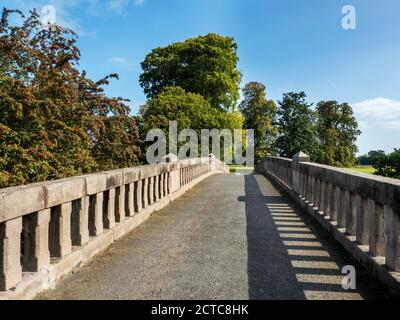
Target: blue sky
pixel 289 45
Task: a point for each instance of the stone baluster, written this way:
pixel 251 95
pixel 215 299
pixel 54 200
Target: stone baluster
pixel 10 247
pixel 392 224
pixel 60 230
pixel 109 209
pixel 138 196
pixel 80 221
pixel 377 244
pixel 96 214
pixel 36 241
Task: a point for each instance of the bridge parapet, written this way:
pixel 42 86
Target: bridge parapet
pixel 362 211
pixel 48 229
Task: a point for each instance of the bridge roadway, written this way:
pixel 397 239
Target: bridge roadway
pixel 231 237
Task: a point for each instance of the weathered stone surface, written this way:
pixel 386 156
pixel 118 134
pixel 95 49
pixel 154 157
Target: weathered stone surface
pixel 131 175
pixel 114 179
pixel 60 231
pixel 120 204
pixel 95 183
pixel 96 215
pixel 301 157
pixel 148 171
pixel 80 221
pixel 109 206
pixel 65 190
pixel 18 201
pixel 36 241
pixel 10 245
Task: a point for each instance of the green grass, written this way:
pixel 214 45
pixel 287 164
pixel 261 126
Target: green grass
pixel 235 167
pixel 364 169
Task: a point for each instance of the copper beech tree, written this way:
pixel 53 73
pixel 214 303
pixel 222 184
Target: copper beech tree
pixel 54 121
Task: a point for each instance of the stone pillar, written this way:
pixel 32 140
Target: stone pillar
pixel 392 224
pixel 314 191
pixel 120 204
pixel 145 193
pixel 336 204
pixel 80 221
pixel 60 231
pixel 36 241
pixel 166 183
pixel 138 196
pixel 329 200
pixel 96 215
pixel 109 209
pixel 151 190
pixel 130 206
pixel 377 244
pixel 156 189
pixel 161 194
pixel 355 207
pixel 362 219
pixel 343 208
pixel 318 194
pixel 10 246
pixel 297 159
pixel 324 197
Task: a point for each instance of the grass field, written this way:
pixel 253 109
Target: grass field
pixel 364 169
pixel 235 168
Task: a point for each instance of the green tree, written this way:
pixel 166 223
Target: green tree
pixel 337 132
pixel 259 114
pixel 296 125
pixel 206 65
pixel 54 121
pixel 371 158
pixel 190 110
pixel 388 165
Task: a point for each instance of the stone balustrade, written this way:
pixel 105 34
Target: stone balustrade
pixel 48 229
pixel 362 211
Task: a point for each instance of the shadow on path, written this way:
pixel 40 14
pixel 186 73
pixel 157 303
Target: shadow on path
pixel 289 256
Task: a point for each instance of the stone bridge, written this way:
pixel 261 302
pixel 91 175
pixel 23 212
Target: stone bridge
pixel 191 230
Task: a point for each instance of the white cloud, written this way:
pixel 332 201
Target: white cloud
pixel 139 3
pixel 69 12
pixel 378 112
pixel 122 61
pixel 118 60
pixel 119 6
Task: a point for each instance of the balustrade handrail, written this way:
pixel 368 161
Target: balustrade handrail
pixel 51 218
pixel 364 208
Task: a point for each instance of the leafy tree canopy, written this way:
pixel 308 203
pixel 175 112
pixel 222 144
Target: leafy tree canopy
pixel 206 65
pixel 388 165
pixel 259 114
pixel 296 124
pixel 337 132
pixel 190 110
pixel 54 121
pixel 370 158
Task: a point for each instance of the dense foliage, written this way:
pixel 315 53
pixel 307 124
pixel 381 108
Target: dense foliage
pixel 259 114
pixel 337 133
pixel 54 121
pixel 328 133
pixel 388 165
pixel 296 125
pixel 190 110
pixel 206 65
pixel 371 158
